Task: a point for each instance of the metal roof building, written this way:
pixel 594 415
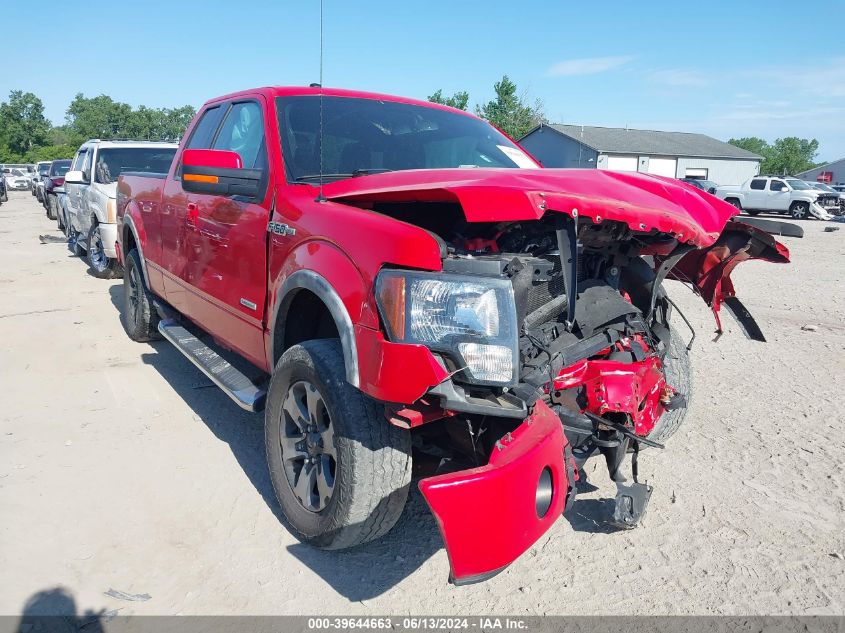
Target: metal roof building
pixel 832 173
pixel 674 154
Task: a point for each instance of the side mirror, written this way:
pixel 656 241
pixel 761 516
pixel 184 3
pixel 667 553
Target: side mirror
pixel 711 190
pixel 75 177
pixel 219 172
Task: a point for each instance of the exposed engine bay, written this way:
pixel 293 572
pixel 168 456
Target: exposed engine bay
pixel 553 334
pixel 595 342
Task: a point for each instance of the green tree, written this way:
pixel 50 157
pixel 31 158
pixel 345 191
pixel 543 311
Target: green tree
pixel 459 100
pixel 788 156
pixel 22 122
pixel 62 135
pixel 792 155
pixel 98 117
pixel 509 111
pixel 175 121
pixel 50 152
pixel 752 144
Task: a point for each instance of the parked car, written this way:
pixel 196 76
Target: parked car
pixel 779 194
pixel 54 186
pixel 827 188
pixel 91 187
pixel 4 197
pixel 503 319
pixel 700 183
pixel 37 184
pixel 17 179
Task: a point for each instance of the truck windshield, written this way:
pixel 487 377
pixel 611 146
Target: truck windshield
pixel 112 161
pixel 366 135
pixel 798 184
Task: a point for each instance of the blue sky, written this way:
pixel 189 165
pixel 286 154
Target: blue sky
pixel 726 69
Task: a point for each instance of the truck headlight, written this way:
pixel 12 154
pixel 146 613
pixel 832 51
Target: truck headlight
pixel 471 319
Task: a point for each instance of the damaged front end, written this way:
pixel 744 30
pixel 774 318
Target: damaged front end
pixel 550 318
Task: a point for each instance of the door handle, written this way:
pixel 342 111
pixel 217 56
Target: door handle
pixel 193 213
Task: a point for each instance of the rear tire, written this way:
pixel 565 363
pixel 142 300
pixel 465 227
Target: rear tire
pixel 140 318
pixel 679 376
pixel 735 202
pixel 368 459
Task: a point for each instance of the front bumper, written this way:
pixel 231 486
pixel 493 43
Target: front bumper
pixel 489 516
pixel 819 212
pixel 108 233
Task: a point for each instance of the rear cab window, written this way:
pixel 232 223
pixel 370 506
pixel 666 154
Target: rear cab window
pixel 112 161
pixel 758 183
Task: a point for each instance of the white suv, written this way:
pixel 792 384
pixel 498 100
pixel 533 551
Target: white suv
pixel 91 192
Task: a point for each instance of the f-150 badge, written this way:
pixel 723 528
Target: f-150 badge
pixel 280 229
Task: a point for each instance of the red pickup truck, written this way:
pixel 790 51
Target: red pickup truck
pixel 413 283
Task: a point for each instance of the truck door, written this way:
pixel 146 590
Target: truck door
pixel 225 250
pixel 756 194
pixel 173 220
pixel 778 195
pixel 74 191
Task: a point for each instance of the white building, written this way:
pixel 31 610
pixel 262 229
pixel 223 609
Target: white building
pixel 674 154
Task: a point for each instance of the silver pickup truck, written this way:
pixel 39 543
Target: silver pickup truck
pixel 780 194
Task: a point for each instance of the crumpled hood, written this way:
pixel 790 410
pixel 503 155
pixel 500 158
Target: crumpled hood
pixel 642 201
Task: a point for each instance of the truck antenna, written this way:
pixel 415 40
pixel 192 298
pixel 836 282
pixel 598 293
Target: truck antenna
pixel 320 197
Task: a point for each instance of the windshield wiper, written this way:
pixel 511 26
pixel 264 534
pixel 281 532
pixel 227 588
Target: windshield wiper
pixel 371 170
pixel 354 174
pixel 308 177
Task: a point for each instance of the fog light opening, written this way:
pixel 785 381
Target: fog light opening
pixel 545 491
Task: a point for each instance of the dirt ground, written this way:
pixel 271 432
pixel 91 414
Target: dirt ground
pixel 122 467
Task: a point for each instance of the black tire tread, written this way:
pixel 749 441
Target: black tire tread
pixel 146 329
pixel 111 271
pixel 377 454
pixel 678 375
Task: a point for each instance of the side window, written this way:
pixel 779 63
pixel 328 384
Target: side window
pixel 86 165
pixel 243 132
pixel 204 130
pixel 758 183
pixel 77 160
pixel 777 185
pixel 203 133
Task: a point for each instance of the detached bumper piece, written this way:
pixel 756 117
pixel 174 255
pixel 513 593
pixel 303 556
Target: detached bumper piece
pixel 490 515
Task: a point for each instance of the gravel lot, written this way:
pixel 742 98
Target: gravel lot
pixel 122 468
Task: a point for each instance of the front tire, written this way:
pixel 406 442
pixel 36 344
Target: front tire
pixel 800 210
pixel 76 247
pixel 101 265
pixel 51 212
pixel 679 376
pixel 140 318
pixel 355 488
